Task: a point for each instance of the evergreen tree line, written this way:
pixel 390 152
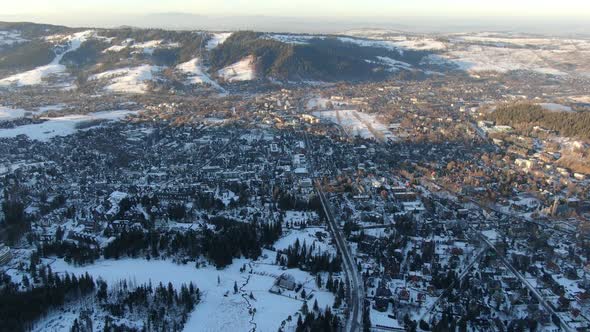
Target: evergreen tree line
pixel 286 201
pixel 233 239
pixel 307 258
pixel 15 222
pixel 230 239
pixel 70 251
pixel 570 124
pixel 19 309
pixel 335 286
pixel 162 308
pixel 316 321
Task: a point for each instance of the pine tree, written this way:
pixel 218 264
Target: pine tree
pixel 304 308
pixel 26 282
pixel 318 280
pixel 330 283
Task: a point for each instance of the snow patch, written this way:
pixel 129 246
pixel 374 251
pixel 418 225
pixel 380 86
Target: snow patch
pixel 356 123
pixel 128 80
pixel 220 309
pixel 243 70
pixel 196 73
pixel 61 126
pixel 7 113
pixel 120 47
pixel 37 75
pixel 394 65
pixel 556 107
pixel 292 39
pixel 9 38
pixel 217 39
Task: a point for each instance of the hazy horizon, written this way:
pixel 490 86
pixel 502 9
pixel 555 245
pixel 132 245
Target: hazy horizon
pixel 565 17
pixel 416 24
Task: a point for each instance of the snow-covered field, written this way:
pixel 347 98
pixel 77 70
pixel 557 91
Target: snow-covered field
pixel 49 108
pixel 61 126
pixel 420 44
pixel 128 80
pixel 477 58
pixel 292 39
pixel 480 52
pixel 147 47
pixel 398 43
pixel 220 309
pixel 523 41
pixel 243 70
pixel 7 113
pixel 10 113
pixel 307 236
pixel 556 107
pixel 356 123
pixel 36 76
pixel 217 39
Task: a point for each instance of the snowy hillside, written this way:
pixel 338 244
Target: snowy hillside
pixel 128 80
pixel 127 61
pixel 9 38
pixel 39 74
pixel 244 70
pixel 217 39
pixel 195 73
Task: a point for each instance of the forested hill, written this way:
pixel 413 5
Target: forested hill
pixel 325 58
pixel 527 115
pixel 164 59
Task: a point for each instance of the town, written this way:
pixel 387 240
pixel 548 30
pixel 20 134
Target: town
pixel 420 204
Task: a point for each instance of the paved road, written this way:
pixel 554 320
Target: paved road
pixel 355 283
pixel 527 284
pixel 506 263
pixel 355 289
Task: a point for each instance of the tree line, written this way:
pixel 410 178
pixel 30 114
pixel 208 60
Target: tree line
pixel 308 259
pixel 22 308
pixel 230 239
pixel 161 308
pixel 525 114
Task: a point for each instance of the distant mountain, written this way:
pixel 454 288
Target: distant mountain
pixel 226 57
pixel 156 59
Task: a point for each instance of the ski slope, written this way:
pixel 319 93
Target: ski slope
pixel 36 76
pixel 128 79
pixel 243 70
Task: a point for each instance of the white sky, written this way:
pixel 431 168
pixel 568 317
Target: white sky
pixel 328 8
